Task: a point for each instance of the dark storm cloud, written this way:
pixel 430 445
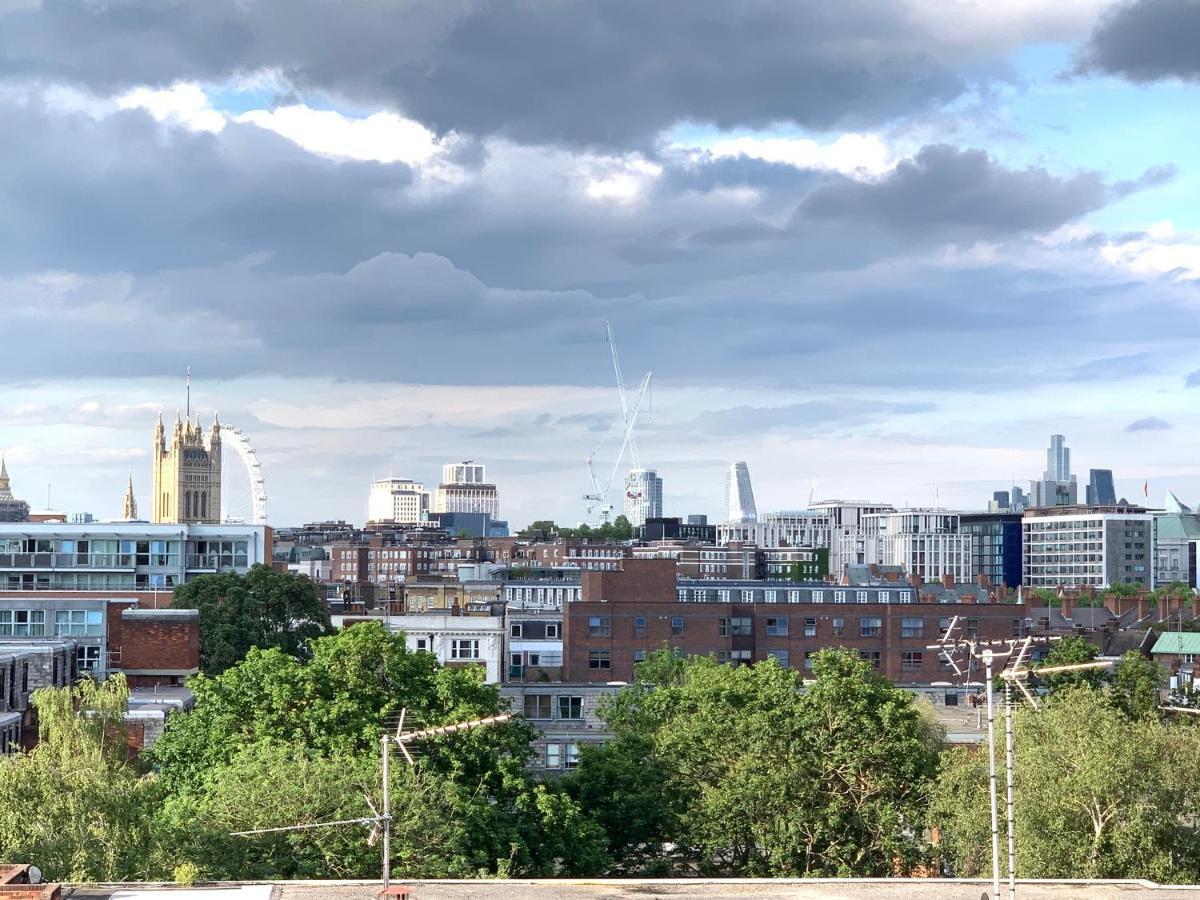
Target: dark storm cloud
pixel 1147 40
pixel 960 195
pixel 543 71
pixel 1150 423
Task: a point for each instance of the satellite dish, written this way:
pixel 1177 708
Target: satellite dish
pixel 35 875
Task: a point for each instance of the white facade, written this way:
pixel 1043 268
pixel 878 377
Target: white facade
pixel 465 489
pixel 1079 547
pixel 464 473
pixel 643 496
pixel 739 495
pixel 454 640
pixel 846 531
pixel 923 542
pixel 802 528
pixel 399 500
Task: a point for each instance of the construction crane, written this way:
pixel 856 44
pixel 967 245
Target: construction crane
pixel 598 496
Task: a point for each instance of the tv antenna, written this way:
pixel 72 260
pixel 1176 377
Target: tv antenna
pixel 380 820
pixel 1013 653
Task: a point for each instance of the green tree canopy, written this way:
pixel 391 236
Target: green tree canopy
pixel 263 608
pixel 756 777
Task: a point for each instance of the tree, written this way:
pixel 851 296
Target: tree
pixel 756 777
pixel 1098 795
pixel 1070 651
pixel 262 608
pixel 74 803
pixel 1136 682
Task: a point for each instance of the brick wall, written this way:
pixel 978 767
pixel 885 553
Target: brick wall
pixel 165 640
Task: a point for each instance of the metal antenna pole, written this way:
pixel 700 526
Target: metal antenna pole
pixel 386 749
pixel 987 663
pixel 1008 772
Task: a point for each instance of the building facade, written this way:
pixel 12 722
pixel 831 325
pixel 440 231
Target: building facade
pixel 398 501
pixel 1100 489
pixel 1057 486
pixel 996 546
pixel 187 473
pixel 926 543
pixel 1082 546
pixel 739 495
pixel 465 489
pixel 643 496
pixel 11 509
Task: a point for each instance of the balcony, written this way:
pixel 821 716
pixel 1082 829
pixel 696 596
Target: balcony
pixel 28 561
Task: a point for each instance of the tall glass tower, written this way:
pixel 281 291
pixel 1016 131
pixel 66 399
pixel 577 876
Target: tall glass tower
pixel 643 496
pixel 739 495
pixel 1058 459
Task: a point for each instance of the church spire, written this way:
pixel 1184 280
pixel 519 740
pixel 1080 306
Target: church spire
pixel 5 487
pixel 130 513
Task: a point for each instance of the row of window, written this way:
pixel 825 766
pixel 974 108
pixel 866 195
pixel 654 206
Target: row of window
pixel 910 661
pixel 747 595
pixel 779 626
pixel 67 623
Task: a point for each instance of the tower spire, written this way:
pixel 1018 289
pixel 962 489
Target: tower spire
pixel 130 511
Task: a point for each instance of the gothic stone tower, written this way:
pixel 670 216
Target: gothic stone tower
pixel 187 474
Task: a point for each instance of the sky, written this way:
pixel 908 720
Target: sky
pixel 877 250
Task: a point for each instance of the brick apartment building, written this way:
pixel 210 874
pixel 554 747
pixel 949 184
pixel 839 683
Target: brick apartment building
pixel 622 615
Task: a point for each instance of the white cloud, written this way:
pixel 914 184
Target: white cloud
pixel 856 155
pixel 184 103
pixel 623 179
pixel 381 137
pixel 1159 251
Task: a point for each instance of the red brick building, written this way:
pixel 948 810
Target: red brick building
pixel 624 614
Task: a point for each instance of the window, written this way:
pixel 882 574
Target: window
pixel 839 626
pixel 793 596
pixel 742 626
pixel 554 756
pixel 552 630
pixel 944 660
pixel 809 655
pixel 514 630
pixel 599 659
pixel 906 596
pixel 768 596
pixel 972 627
pixel 951 699
pixel 676 626
pixel 818 596
pixel 862 596
pixel 777 627
pixel 839 596
pixel 1018 628
pixel 780 656
pixel 871 656
pixel 1187 658
pixel 69 622
pixel 464 649
pixel 23 622
pixel 810 627
pixel 570 707
pixel 422 645
pixel 734 656
pixel 912 627
pixel 639 626
pixel 572 756
pixel 911 660
pixel 599 626
pixel 537 706
pixel 884 596
pixel 639 656
pixel 870 626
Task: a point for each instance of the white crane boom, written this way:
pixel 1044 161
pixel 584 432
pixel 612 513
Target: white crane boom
pixel 630 422
pixel 612 346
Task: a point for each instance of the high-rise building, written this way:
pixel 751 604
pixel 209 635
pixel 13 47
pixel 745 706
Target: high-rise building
pixel 1057 486
pixel 400 501
pixel 1100 490
pixel 1092 546
pixel 11 509
pixel 996 548
pixel 643 496
pixel 739 495
pixel 187 474
pixel 465 489
pixel 923 542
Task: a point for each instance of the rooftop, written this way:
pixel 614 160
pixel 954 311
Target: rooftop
pixel 1177 642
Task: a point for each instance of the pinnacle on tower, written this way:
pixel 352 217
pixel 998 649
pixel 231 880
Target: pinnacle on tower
pixel 130 511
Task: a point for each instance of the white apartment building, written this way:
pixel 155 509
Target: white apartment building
pixel 398 500
pixel 1096 546
pixel 465 489
pixel 923 542
pixel 643 496
pixel 454 640
pixel 847 534
pixel 796 528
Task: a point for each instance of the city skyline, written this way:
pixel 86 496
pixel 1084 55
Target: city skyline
pixel 401 270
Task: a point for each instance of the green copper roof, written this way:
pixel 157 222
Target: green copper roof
pixel 1177 642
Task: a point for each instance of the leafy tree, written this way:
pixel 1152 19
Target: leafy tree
pixel 759 778
pixel 263 608
pixel 1070 651
pixel 1136 682
pixel 74 803
pixel 1098 795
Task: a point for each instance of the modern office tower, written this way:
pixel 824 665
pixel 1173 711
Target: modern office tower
pixel 187 474
pixel 996 548
pixel 1001 499
pixel 1078 546
pixel 643 496
pixel 11 509
pixel 1019 499
pixel 465 489
pixel 739 495
pixel 1057 486
pixel 397 500
pixel 1100 490
pixel 923 542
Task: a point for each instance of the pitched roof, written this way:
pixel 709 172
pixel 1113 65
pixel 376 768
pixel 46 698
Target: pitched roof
pixel 1177 642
